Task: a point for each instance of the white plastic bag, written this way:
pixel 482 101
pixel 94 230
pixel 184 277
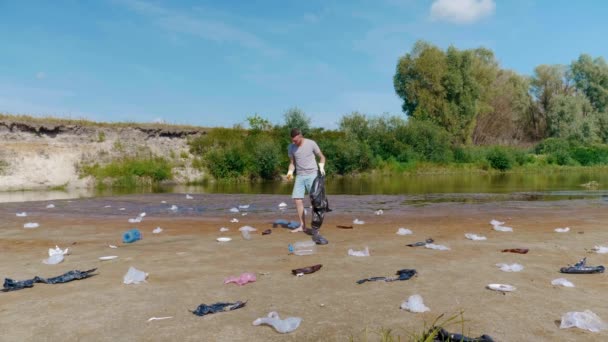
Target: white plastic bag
pixel 436 247
pixel 357 221
pixel 501 287
pixel 22 214
pixel 562 282
pixel 57 250
pixel 283 326
pixel 475 237
pixel 498 226
pixel 600 249
pixel 586 320
pixel 30 225
pixel 510 268
pixel 362 253
pixel 157 230
pixel 404 231
pixel 414 304
pixel 134 276
pixel 53 259
pixel 234 210
pixel 562 230
pixel 379 212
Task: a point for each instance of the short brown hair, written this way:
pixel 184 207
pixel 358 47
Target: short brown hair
pixel 295 132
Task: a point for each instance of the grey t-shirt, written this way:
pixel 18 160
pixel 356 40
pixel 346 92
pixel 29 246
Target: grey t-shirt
pixel 304 156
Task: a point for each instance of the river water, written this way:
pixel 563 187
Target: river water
pixel 417 188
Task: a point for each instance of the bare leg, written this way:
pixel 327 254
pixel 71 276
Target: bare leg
pixel 301 215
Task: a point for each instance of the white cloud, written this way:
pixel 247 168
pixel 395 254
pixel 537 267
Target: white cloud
pixel 462 11
pixel 40 75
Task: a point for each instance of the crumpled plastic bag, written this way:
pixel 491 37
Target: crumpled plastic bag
pixel 510 268
pixel 57 250
pixel 436 247
pixel 475 237
pixel 53 259
pixel 600 249
pixel 562 282
pixel 22 214
pixel 134 276
pixel 243 279
pixel 138 219
pixel 31 225
pixel 404 231
pixel 414 304
pixel 362 253
pixel 157 230
pixel 498 226
pixel 282 326
pixel 357 221
pixel 562 230
pixel 586 320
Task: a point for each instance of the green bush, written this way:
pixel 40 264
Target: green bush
pixel 590 155
pixel 500 159
pixel 131 171
pixel 431 142
pixel 552 145
pixel 266 158
pixel 226 162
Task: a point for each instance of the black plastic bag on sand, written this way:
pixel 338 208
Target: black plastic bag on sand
pixel 205 309
pixel 444 336
pixel 13 285
pixel 403 274
pixel 318 200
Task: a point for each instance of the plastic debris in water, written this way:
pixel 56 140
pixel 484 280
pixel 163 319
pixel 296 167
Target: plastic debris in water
pixel 189 197
pixel 244 206
pixel 138 219
pixel 50 206
pixel 23 214
pixel 404 231
pixel 562 230
pixel 475 237
pixel 510 268
pixel 282 326
pixel 31 225
pixel 234 220
pixel 282 205
pixel 107 206
pixel 379 212
pixel 414 304
pixel 173 208
pixel 234 210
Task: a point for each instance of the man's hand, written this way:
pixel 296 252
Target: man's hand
pixel 322 168
pixel 290 172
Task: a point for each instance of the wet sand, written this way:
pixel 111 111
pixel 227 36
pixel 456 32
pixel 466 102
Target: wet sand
pixel 187 267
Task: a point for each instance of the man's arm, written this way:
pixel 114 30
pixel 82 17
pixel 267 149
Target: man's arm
pixel 321 162
pixel 291 168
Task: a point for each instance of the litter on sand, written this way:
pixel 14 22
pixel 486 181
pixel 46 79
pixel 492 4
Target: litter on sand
pixel 108 257
pixel 53 259
pixel 205 309
pixel 403 274
pixel 516 250
pixel 234 220
pixel 243 279
pixel 138 219
pixel 23 214
pixel 50 206
pixel 475 237
pixel 436 247
pixel 134 276
pixel 414 304
pixel 498 226
pixel 157 230
pixel 379 212
pixel 404 231
pixel 582 268
pixel 362 253
pixel 562 230
pixel 224 229
pixel 223 239
pixel 357 221
pixel 31 225
pixel 158 318
pixel 586 320
pixel 306 270
pixel 501 287
pixel 561 282
pixel 282 326
pixel 510 268
pixel 600 249
pixel 12 285
pixel 57 250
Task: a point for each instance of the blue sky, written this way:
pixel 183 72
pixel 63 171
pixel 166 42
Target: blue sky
pixel 213 63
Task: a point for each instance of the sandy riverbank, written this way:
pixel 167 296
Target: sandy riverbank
pixel 187 267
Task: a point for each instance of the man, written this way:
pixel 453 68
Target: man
pixel 302 160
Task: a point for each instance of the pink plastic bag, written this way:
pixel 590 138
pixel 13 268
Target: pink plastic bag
pixel 243 279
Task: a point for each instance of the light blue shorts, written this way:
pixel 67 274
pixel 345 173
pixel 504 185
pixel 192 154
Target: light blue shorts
pixel 302 185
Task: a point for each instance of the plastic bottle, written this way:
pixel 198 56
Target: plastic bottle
pixel 131 236
pixel 307 247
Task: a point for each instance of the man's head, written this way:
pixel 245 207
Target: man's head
pixel 296 136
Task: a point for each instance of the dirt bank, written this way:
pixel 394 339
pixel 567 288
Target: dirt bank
pixel 187 267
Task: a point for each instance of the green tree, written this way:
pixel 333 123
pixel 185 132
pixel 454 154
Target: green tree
pixel 591 77
pixel 296 118
pixel 548 81
pixel 571 116
pixel 258 124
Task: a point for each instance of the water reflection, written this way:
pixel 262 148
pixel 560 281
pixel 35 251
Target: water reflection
pixel 527 185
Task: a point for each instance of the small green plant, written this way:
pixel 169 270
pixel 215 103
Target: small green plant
pixel 101 136
pixel 130 171
pixel 184 155
pixel 500 159
pixel 3 166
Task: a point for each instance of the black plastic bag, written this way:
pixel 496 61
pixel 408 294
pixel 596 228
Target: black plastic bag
pixel 318 200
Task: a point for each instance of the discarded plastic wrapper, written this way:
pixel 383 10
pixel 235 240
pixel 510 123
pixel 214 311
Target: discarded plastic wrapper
pixel 23 214
pixel 561 282
pixel 404 231
pixel 586 320
pixel 403 274
pixel 243 279
pixel 516 250
pixel 189 197
pixel 134 276
pixel 306 270
pixel 138 218
pixel 475 237
pixel 562 230
pixel 436 247
pixel 498 226
pixel 362 253
pixel 582 268
pixel 234 220
pixel 223 239
pixel 282 205
pixel 420 243
pixel 108 257
pixel 54 259
pixel 502 287
pixel 243 206
pixel 267 231
pixel 247 228
pixel 157 230
pixel 600 249
pixel 285 224
pixel 57 250
pixel 414 304
pixel 234 210
pixel 443 335
pixel 357 221
pixel 50 206
pixel 158 318
pixel 510 268
pixel 379 212
pixel 173 208
pixel 282 326
pixel 205 309
pixel 31 225
pixel 112 246
pixel 12 285
pixel 224 229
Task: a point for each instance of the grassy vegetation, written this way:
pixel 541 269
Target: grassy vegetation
pixel 3 166
pixel 130 171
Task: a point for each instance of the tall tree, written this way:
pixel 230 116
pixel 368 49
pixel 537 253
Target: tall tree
pixel 548 81
pixel 591 78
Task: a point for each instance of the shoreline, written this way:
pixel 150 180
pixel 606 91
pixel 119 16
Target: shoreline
pixel 187 267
